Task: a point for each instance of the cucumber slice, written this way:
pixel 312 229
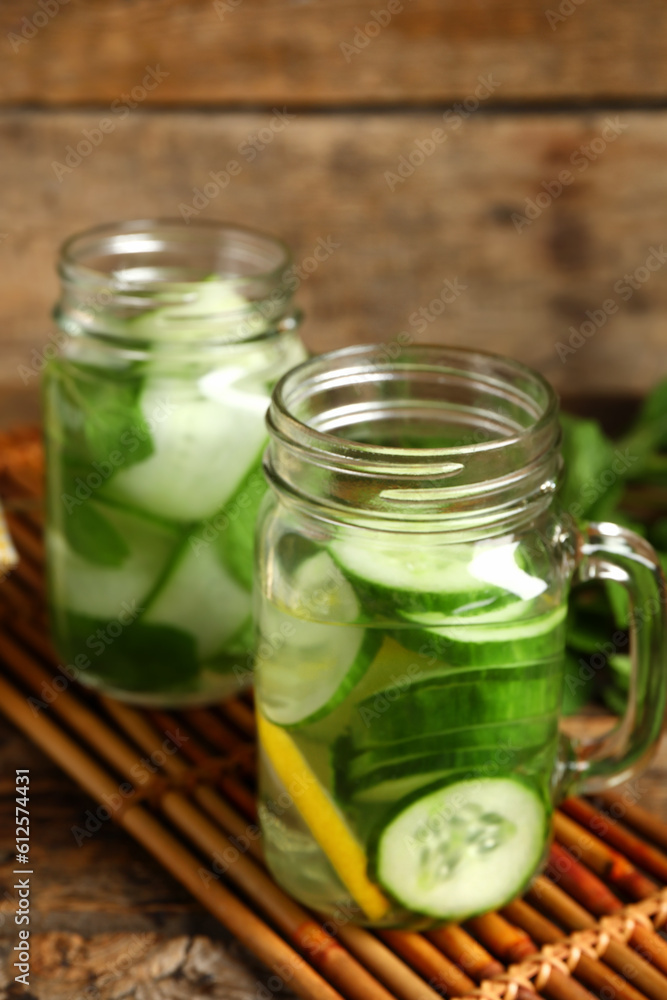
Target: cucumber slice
pixel 213 310
pixel 370 772
pixel 456 700
pixel 390 782
pixel 199 597
pixel 306 677
pixel 103 587
pixel 494 644
pixel 202 449
pixel 410 578
pixel 208 426
pixel 463 849
pixel 451 580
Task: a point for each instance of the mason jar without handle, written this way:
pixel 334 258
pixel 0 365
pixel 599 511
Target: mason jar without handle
pixel 413 584
pixel 171 339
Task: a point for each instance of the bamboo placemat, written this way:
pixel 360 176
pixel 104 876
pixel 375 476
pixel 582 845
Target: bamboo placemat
pixel 590 925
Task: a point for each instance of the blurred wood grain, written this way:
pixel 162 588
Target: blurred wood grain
pixel 526 278
pixel 250 52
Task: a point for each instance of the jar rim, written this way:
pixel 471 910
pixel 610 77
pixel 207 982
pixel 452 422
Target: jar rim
pixel 219 282
pixel 440 390
pixel 188 233
pixel 285 419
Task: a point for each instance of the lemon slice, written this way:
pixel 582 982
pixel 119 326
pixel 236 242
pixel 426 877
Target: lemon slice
pixel 323 819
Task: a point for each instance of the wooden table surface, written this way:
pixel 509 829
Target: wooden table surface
pixel 106 918
pixel 105 912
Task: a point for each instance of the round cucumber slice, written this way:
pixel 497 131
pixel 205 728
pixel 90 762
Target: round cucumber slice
pixel 306 675
pixel 463 849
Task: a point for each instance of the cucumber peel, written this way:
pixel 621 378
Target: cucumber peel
pixel 200 597
pixel 377 773
pixel 412 578
pixel 444 702
pixel 491 644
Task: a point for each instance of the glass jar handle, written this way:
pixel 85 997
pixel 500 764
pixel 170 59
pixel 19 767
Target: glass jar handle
pixel 609 552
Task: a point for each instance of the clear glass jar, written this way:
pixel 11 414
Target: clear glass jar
pixel 172 339
pixel 414 576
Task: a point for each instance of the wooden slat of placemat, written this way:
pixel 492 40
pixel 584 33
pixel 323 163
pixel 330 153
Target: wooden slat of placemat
pixel 454 962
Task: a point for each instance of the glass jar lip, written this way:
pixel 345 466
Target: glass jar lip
pixel 186 233
pixel 219 282
pixel 288 426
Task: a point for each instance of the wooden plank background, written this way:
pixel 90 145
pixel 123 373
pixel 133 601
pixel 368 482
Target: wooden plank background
pixel 250 52
pixel 522 286
pixel 556 74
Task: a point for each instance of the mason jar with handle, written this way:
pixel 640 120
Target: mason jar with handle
pixel 171 337
pixel 414 576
